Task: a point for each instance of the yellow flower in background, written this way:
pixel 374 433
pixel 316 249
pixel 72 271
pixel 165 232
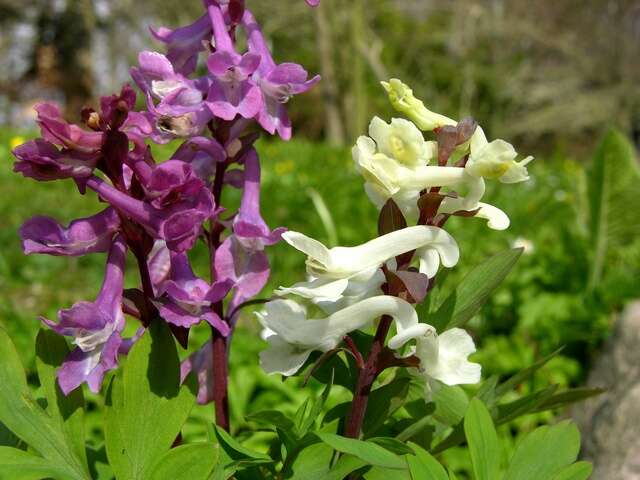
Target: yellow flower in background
pixel 16 142
pixel 284 167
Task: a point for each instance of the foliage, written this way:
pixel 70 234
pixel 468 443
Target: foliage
pixel 542 300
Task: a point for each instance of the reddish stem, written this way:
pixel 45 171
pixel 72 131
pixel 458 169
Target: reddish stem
pixel 353 348
pixel 220 367
pixel 368 375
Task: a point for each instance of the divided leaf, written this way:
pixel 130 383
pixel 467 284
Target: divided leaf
pixel 146 406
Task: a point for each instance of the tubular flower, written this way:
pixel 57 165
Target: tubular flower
pixel 85 235
pixel 278 83
pixel 292 336
pixel 495 159
pixel 343 262
pixel 178 223
pixel 248 225
pixel 187 299
pixel 95 328
pixel 444 358
pixel 185 43
pixel 232 91
pixel 43 161
pixel 403 100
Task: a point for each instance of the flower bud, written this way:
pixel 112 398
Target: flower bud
pixel 403 100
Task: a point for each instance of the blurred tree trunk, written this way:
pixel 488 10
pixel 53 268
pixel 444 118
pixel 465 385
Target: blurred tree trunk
pixel 61 55
pixel 73 44
pixel 334 124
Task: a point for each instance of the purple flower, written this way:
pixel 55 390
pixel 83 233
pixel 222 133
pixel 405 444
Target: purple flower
pixel 56 130
pixel 181 111
pixel 82 236
pixel 278 83
pixel 159 265
pixel 185 43
pixel 202 153
pixel 248 269
pixel 200 362
pixel 95 328
pixel 178 222
pixel 43 161
pixel 232 92
pixel 249 227
pixel 187 299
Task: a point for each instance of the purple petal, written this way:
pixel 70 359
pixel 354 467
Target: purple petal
pixel 82 236
pixel 249 270
pixel 249 225
pixel 42 161
pixel 184 43
pixel 56 130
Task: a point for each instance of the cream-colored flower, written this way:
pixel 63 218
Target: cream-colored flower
pixel 496 159
pixel 292 336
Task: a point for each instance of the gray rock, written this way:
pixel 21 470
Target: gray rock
pixel 610 423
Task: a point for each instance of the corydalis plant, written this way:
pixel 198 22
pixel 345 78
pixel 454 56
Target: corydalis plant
pixel 412 180
pixel 159 211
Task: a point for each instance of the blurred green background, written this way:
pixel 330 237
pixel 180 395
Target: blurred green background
pixel 552 77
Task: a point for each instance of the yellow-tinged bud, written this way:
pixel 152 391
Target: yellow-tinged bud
pixel 403 100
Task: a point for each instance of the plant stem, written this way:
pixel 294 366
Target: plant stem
pixel 220 378
pixel 219 357
pixel 368 375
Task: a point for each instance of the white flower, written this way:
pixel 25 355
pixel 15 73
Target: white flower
pixel 445 358
pixel 385 178
pixel 292 336
pixel 403 100
pixel 345 262
pixel 402 141
pixel 496 218
pixel 495 159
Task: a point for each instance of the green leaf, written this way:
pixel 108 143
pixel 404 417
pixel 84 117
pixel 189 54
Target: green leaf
pixel 577 471
pixel 613 199
pixel 369 452
pixel 525 374
pixel 21 414
pixel 51 350
pixel 313 462
pixel 383 403
pixel 344 466
pixel 522 406
pixel 316 409
pixel 567 397
pixel 474 290
pixel 20 465
pixel 235 449
pixel 273 418
pixel 424 466
pixel 147 406
pixel 194 461
pixel 483 441
pixel 544 452
pixel 380 473
pixel 393 445
pixel 451 404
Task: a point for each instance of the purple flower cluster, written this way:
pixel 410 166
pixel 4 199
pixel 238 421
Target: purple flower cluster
pixel 158 211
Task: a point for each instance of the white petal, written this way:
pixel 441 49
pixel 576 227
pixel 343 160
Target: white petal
pixel 429 262
pixel 452 366
pixel 497 219
pixel 317 290
pixel 310 246
pixel 282 357
pixel 432 176
pixel 379 250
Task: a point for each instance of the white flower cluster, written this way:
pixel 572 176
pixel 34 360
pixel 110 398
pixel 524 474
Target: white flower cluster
pixel 345 284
